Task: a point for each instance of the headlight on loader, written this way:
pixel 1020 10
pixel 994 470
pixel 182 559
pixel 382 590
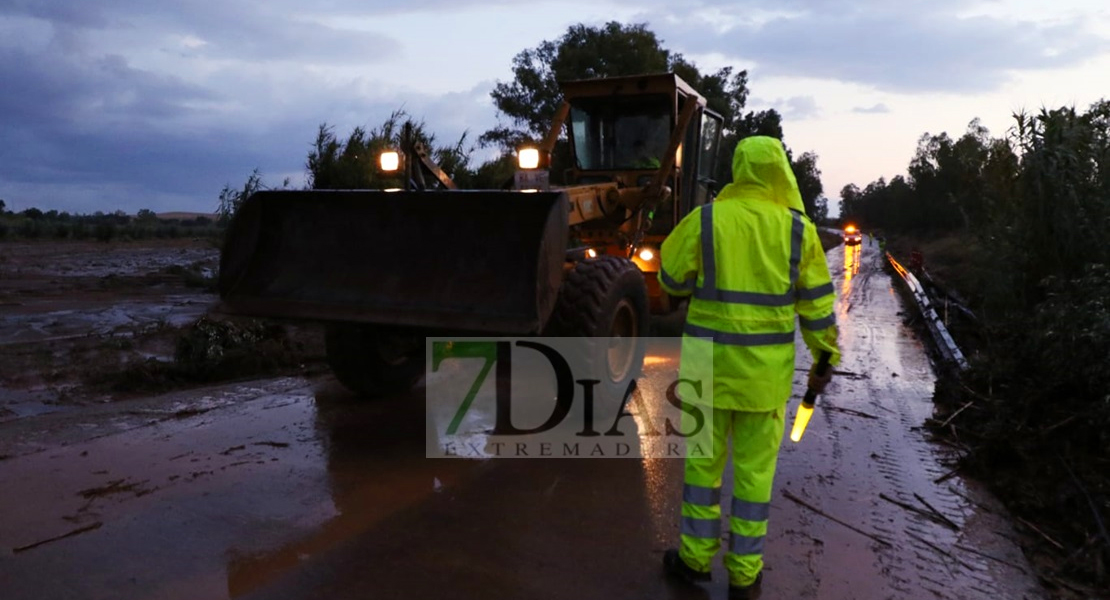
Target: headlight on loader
pixel 528 158
pixel 390 161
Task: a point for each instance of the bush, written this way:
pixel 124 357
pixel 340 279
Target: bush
pixel 105 232
pixel 212 350
pixel 30 229
pixel 1042 429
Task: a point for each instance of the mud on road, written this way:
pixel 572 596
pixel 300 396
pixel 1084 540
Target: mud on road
pixel 291 487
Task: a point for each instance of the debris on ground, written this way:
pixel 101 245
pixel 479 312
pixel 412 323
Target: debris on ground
pixel 212 350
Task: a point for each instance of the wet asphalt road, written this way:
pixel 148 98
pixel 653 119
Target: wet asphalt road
pixel 294 489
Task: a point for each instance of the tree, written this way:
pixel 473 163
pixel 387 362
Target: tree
pixel 231 198
pixel 809 182
pixel 614 49
pixel 584 52
pixel 352 163
pixel 530 100
pixel 765 122
pixel 820 210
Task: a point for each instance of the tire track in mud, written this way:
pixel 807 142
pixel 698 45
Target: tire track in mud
pixel 910 465
pixel 847 461
pixel 907 466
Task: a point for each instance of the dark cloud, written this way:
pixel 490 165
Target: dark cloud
pixel 62 12
pixel 134 104
pixel 86 134
pixel 231 29
pixel 80 124
pixel 50 101
pixel 871 110
pixel 249 35
pixel 922 50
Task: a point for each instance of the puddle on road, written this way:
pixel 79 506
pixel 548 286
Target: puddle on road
pixel 212 501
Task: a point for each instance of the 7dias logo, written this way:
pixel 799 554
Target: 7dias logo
pixel 566 398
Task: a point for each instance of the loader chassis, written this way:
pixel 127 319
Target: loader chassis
pixel 628 132
pixel 384 269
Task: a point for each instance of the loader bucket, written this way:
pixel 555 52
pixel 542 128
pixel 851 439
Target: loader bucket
pixel 468 261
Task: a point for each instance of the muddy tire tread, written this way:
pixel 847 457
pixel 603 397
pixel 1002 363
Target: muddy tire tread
pixel 582 297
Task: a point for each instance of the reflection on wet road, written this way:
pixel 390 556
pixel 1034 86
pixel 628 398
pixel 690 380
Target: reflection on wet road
pixel 294 489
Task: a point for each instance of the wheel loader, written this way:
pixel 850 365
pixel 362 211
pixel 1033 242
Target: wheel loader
pixel 384 269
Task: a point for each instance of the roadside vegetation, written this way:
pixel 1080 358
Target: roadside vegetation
pixel 35 224
pixel 1017 228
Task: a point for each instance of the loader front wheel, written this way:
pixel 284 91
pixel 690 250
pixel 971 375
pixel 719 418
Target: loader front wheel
pixel 374 361
pixel 606 298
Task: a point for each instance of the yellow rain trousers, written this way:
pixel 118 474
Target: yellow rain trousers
pixel 753 264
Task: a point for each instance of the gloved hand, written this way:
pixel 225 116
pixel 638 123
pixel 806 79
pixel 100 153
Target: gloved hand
pixel 817 382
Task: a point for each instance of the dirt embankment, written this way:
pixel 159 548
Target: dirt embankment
pixel 92 322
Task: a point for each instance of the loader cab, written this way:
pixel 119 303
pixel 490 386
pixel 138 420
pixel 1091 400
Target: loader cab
pixel 696 162
pixel 619 130
pixel 629 134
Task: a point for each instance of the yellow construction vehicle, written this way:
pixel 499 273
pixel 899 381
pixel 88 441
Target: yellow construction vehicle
pixel 386 268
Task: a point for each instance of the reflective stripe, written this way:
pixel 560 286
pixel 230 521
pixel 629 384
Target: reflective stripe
pixel 797 232
pixel 815 293
pixel 701 528
pixel 708 260
pixel 816 324
pixel 739 339
pixel 695 494
pixel 709 290
pixel 756 298
pixel 750 511
pixel 670 282
pixel 742 544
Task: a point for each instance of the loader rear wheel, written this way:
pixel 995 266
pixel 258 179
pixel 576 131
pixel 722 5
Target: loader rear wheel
pixel 374 361
pixel 606 297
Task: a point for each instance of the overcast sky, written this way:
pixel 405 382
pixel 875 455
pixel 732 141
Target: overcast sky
pixel 129 104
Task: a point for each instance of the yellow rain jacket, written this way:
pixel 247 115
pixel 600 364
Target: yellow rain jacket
pixel 751 260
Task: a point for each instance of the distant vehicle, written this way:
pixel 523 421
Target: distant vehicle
pixel 852 236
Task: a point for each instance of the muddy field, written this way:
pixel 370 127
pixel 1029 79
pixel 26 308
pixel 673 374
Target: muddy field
pixel 89 322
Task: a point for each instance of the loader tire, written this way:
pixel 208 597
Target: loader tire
pixel 606 297
pixel 374 361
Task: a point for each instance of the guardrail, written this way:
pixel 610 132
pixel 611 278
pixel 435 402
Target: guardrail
pixel 948 348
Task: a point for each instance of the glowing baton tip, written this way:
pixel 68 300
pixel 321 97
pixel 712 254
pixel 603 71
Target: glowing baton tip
pixel 801 419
